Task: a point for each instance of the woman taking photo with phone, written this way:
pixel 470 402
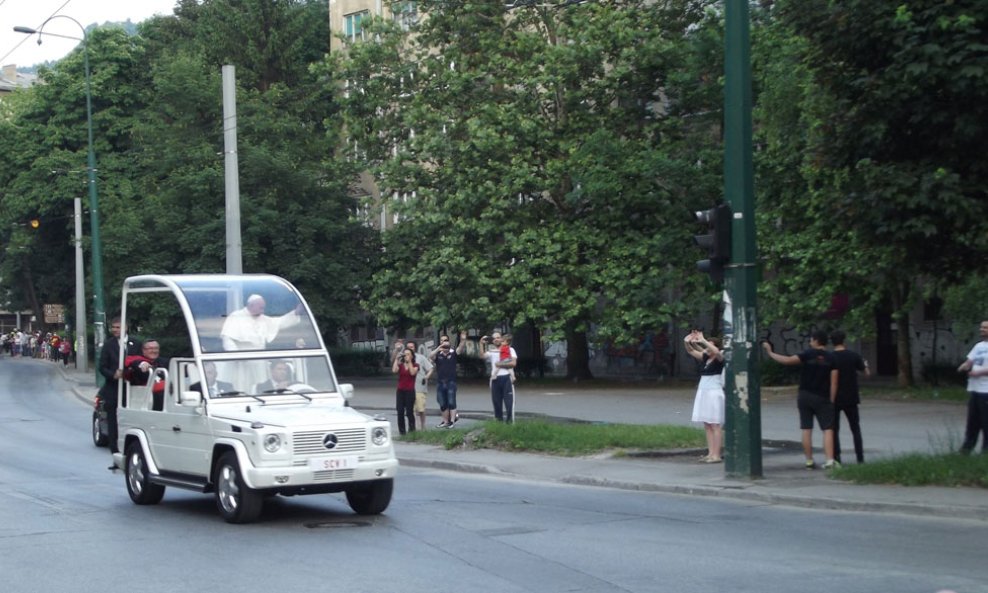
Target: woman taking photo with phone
pixel 404 365
pixel 708 407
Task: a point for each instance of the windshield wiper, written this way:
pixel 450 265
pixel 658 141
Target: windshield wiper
pixel 283 390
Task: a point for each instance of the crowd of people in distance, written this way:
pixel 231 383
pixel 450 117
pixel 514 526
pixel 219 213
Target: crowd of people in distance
pixel 48 346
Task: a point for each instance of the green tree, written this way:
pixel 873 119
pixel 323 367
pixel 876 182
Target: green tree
pixel 872 188
pixel 535 165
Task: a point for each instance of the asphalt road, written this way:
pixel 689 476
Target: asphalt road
pixel 66 524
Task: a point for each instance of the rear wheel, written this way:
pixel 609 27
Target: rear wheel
pixel 139 485
pixel 370 498
pixel 236 502
pixel 99 439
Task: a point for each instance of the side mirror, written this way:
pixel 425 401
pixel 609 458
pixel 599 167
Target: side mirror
pixel 346 390
pixel 189 398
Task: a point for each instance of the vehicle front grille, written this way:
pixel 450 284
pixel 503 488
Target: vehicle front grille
pixel 349 440
pixel 332 474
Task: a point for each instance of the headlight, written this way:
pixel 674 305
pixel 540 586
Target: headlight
pixel 272 442
pixel 379 436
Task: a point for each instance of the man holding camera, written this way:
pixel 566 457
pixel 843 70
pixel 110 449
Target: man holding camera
pixel 445 359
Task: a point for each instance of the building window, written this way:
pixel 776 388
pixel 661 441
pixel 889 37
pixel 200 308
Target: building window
pixel 352 25
pixel 405 14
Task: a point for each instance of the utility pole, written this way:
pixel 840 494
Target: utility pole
pixel 742 427
pixel 234 244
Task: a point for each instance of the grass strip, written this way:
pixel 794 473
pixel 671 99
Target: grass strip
pixel 920 469
pixel 566 439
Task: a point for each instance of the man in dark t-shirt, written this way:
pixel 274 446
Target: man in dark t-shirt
pixel 817 390
pixel 848 364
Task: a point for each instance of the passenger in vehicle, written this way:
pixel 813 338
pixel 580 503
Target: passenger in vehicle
pixel 213 387
pixel 138 369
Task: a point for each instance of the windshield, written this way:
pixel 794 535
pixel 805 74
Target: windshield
pixel 249 315
pixel 262 376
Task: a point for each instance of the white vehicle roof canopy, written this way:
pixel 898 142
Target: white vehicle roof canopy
pixel 227 313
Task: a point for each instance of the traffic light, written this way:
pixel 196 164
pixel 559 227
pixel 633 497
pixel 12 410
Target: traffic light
pixel 716 242
pixel 35 223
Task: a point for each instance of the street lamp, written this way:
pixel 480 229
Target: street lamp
pixel 99 308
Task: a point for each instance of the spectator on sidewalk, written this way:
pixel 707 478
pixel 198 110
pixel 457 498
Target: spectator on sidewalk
pixel 976 367
pixel 708 406
pixel 445 360
pixel 502 391
pixel 817 391
pixel 849 364
pixel 421 381
pixel 405 366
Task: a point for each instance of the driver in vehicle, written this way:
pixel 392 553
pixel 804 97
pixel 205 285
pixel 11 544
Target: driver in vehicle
pixel 138 369
pixel 281 377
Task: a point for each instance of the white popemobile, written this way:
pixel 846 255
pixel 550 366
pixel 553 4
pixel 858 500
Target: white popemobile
pixel 224 430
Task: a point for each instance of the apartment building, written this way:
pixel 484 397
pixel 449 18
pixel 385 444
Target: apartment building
pixel 346 17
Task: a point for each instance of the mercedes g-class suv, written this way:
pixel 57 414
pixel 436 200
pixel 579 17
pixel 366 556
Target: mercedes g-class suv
pixel 240 400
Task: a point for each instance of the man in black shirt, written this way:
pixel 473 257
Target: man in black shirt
pixel 848 364
pixel 817 391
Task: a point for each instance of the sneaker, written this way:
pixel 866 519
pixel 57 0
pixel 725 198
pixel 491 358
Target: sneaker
pixel 453 423
pixel 810 464
pixel 832 464
pixel 443 424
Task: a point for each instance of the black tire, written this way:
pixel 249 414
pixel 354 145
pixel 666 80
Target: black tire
pixel 236 502
pixel 139 485
pixel 99 439
pixel 370 498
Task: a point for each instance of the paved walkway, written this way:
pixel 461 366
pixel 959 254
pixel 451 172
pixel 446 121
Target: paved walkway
pixel 889 428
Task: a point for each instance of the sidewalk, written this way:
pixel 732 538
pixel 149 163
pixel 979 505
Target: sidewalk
pixel 889 428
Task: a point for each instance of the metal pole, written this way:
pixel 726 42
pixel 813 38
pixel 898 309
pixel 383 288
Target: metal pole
pixel 99 305
pixel 82 348
pixel 742 428
pixel 234 256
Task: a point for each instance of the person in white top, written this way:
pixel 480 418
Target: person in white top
pixel 250 329
pixel 976 367
pixel 502 390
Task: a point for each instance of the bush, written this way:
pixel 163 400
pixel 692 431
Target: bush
pixel 350 362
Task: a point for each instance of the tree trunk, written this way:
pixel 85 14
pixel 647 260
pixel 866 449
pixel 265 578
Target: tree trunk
pixel 577 356
pixel 903 351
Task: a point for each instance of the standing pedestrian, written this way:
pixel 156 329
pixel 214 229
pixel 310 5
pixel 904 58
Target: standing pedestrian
pixel 406 368
pixel 849 364
pixel 502 391
pixel 817 391
pixel 976 367
pixel 421 381
pixel 445 360
pixel 708 407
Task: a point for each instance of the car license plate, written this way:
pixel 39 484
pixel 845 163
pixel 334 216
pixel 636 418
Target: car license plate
pixel 333 463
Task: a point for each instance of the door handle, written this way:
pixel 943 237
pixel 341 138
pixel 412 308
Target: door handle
pixel 177 428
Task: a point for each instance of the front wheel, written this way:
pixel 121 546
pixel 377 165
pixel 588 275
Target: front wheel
pixel 236 502
pixel 99 439
pixel 370 498
pixel 139 485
